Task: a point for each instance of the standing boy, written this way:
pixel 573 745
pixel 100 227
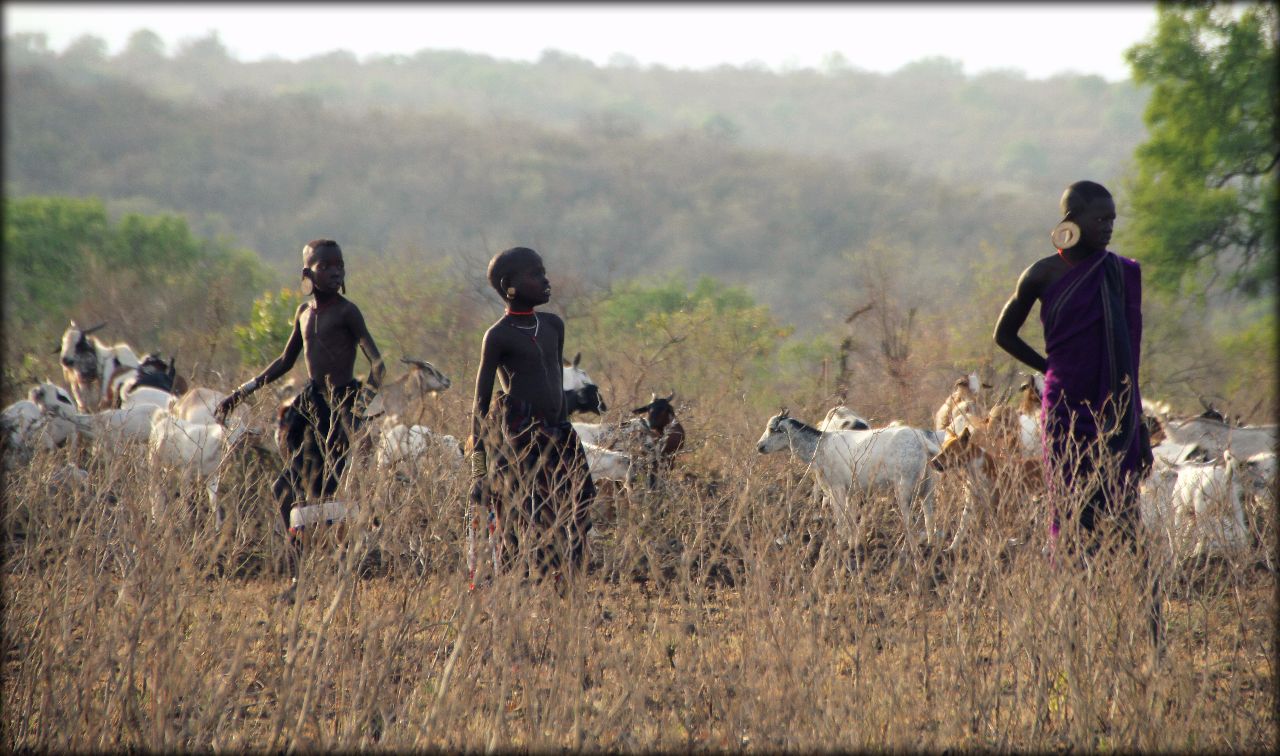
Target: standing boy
pixel 531 471
pixel 318 425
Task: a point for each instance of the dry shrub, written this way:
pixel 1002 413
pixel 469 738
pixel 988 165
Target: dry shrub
pixel 721 611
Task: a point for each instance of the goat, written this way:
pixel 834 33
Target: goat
pixel 1197 504
pixel 18 423
pixel 581 394
pixel 194 450
pixel 894 459
pixel 400 397
pixel 87 362
pixel 1030 434
pixel 628 434
pixel 994 481
pixel 131 423
pixel 663 435
pixel 1215 436
pixel 59 422
pixel 841 417
pixel 607 464
pixel 199 405
pixel 961 406
pixel 146 396
pixel 153 371
pixel 399 443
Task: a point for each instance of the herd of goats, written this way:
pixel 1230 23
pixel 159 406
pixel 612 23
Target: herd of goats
pixel 1210 478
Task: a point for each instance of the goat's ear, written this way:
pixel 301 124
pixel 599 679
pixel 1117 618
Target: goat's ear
pixel 88 331
pixel 577 358
pixel 640 410
pixel 965 435
pixel 784 413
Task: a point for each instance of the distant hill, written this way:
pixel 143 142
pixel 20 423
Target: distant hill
pixel 758 178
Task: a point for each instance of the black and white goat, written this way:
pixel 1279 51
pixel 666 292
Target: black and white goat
pixel 581 394
pixel 89 366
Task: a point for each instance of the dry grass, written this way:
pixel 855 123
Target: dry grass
pixel 698 626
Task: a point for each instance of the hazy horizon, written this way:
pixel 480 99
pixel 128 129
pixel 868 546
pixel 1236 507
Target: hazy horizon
pixel 1037 39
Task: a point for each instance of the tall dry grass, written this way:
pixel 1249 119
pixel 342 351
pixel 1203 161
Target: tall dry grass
pixel 720 612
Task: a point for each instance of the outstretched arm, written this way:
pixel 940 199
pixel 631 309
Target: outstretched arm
pixel 278 367
pixel 1012 317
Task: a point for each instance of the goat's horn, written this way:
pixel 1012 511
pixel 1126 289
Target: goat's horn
pixel 671 396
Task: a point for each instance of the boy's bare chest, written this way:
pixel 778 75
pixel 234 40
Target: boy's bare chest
pixel 325 328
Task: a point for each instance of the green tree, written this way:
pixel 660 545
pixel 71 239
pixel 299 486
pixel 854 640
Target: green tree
pixel 159 286
pixel 1204 196
pixel 269 326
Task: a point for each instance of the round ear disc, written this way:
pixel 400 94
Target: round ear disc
pixel 1065 235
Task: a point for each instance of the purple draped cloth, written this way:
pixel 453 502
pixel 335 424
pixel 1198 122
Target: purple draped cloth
pixel 1092 320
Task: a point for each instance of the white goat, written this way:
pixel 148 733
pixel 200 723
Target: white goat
pixel 894 459
pixel 59 422
pixel 192 450
pixel 88 363
pixel 199 404
pixel 610 435
pixel 1215 436
pixel 581 394
pixel 399 443
pixel 607 464
pixel 1200 505
pixel 147 396
pixel 126 424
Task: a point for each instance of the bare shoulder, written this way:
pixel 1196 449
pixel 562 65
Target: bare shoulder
pixel 553 320
pixel 1040 274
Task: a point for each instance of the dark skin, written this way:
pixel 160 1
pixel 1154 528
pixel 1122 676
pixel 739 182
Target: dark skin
pixel 528 365
pixel 326 331
pixel 1096 220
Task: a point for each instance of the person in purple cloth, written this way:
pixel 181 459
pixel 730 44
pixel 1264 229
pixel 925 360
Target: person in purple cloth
pixel 1096 448
pixel 1091 308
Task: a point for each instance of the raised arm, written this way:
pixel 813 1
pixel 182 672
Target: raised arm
pixel 377 370
pixel 1012 317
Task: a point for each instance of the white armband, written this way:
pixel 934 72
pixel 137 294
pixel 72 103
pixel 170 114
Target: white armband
pixel 248 387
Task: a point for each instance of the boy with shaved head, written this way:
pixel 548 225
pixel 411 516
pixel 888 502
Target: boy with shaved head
pixel 530 469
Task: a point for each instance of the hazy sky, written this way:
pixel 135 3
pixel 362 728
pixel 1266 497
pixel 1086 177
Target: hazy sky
pixel 1040 39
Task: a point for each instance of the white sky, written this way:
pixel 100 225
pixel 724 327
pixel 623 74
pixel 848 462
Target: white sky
pixel 1040 39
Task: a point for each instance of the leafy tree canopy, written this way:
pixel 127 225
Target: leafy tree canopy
pixel 1204 196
